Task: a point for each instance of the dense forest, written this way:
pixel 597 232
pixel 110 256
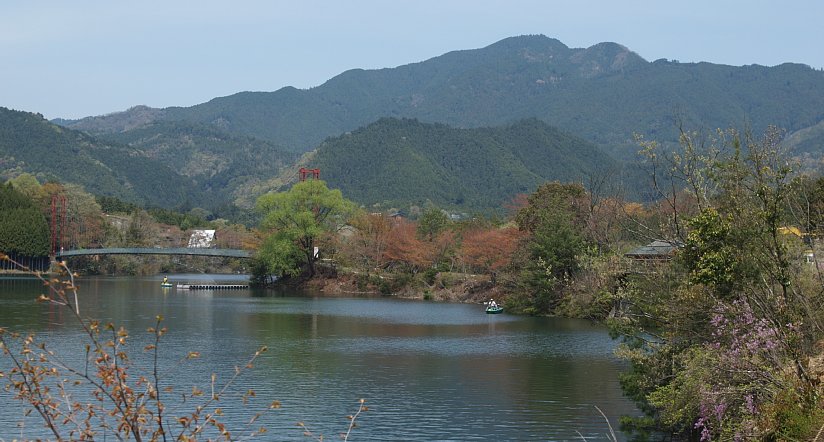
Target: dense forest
pixel 391 163
pixel 170 165
pixel 395 163
pixel 29 143
pixel 230 168
pixel 24 232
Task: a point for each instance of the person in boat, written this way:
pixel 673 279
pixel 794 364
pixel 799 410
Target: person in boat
pixel 165 280
pixel 492 304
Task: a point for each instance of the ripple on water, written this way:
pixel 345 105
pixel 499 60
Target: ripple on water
pixel 429 371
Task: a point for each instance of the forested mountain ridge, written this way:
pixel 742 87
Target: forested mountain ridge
pixel 229 167
pixel 397 162
pixel 390 163
pixel 30 143
pixel 132 118
pixel 604 93
pixel 165 164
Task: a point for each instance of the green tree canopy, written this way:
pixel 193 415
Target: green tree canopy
pixel 23 227
pixel 296 220
pixel 431 223
pixel 554 220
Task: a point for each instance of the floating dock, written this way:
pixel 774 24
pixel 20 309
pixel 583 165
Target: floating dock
pixel 212 286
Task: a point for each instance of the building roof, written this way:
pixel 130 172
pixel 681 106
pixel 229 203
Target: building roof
pixel 658 249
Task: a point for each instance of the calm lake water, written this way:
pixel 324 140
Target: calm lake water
pixel 428 371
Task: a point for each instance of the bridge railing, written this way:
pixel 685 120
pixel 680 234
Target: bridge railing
pixel 188 251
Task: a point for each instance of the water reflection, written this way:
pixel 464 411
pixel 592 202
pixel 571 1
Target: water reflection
pixel 429 371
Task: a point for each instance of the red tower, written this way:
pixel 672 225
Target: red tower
pixel 58 222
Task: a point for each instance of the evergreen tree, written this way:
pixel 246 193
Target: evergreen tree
pixel 23 228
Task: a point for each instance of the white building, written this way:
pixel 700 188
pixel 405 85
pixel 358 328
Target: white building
pixel 202 239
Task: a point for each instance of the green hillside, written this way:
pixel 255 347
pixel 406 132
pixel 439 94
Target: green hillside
pixel 164 164
pixel 224 166
pixel 401 162
pixel 393 162
pixel 603 93
pixel 807 141
pixel 29 143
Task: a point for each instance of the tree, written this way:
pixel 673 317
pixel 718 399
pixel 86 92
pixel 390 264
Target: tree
pixel 490 250
pixel 23 228
pixel 370 240
pixel 406 249
pixel 28 185
pixel 569 198
pixel 296 219
pixel 554 221
pixel 86 217
pixel 711 250
pixel 722 345
pixel 432 222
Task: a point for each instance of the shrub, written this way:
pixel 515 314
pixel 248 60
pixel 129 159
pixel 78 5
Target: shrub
pixel 430 275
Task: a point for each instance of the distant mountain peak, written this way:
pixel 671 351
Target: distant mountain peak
pixel 605 57
pixel 132 118
pixel 601 58
pixel 532 41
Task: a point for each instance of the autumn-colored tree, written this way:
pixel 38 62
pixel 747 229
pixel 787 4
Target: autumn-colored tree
pixel 404 248
pixel 367 245
pixel 234 236
pixel 490 250
pixel 518 202
pixel 444 249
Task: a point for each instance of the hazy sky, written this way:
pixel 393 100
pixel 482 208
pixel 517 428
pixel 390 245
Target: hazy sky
pixel 78 58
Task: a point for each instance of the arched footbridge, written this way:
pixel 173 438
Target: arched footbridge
pixel 190 251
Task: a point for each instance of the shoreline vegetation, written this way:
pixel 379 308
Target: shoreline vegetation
pixel 719 306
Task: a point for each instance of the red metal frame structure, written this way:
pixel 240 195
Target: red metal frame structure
pixel 304 173
pixel 58 222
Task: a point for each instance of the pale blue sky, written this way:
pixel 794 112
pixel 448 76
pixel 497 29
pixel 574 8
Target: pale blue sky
pixel 78 58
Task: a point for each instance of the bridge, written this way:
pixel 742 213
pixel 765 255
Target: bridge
pixel 68 235
pixel 190 251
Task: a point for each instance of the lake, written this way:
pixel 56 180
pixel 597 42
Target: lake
pixel 428 371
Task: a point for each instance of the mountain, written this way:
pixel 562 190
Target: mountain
pixel 389 163
pixel 603 93
pixel 806 141
pixel 134 117
pixel 397 162
pixel 30 143
pixel 164 164
pixel 230 168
